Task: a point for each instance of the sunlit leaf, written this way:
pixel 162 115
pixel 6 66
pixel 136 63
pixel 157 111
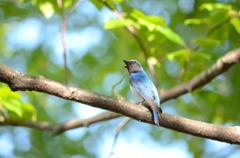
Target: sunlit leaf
pixel 148 19
pixel 116 23
pixel 207 42
pixel 154 23
pixel 118 1
pixel 183 53
pixel 214 6
pixel 7 93
pixel 194 21
pixel 47 9
pixel 236 23
pixel 29 112
pixel 108 3
pixel 98 4
pixel 201 55
pixel 170 34
pixel 13 105
pixel 11 102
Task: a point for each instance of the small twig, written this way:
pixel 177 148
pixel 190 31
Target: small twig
pixel 64 48
pixel 57 129
pixel 115 85
pixel 184 68
pixel 118 129
pixel 59 2
pixel 76 123
pixel 73 8
pixel 64 16
pixel 218 26
pixel 63 31
pixel 42 126
pixel 212 30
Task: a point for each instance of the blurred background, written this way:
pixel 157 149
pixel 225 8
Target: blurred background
pixel 182 38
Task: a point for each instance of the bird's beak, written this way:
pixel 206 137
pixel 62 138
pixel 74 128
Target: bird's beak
pixel 126 62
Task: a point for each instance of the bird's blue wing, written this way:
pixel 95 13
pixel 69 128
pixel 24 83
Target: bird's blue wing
pixel 142 86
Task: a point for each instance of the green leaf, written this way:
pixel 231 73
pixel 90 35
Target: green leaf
pixel 236 23
pixel 137 14
pixel 149 21
pixel 116 23
pixel 16 109
pixel 207 42
pixel 47 9
pixel 29 112
pixel 154 23
pixel 171 35
pixel 98 4
pixel 183 53
pixel 13 105
pixel 118 1
pixel 7 93
pixel 214 6
pixel 202 55
pixel 194 21
pixel 101 3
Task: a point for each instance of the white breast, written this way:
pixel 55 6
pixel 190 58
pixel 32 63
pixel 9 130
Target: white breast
pixel 135 93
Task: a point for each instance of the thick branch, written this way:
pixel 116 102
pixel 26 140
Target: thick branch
pixel 20 81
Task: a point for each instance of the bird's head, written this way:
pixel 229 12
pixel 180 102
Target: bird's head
pixel 133 66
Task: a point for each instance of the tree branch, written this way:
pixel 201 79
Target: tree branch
pixel 23 82
pixel 56 129
pixel 221 66
pixel 76 123
pixel 42 126
pixel 118 129
pixel 63 34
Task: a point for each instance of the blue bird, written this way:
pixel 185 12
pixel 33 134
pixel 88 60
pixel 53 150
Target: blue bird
pixel 143 88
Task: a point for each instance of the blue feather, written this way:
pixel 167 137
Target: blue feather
pixel 143 88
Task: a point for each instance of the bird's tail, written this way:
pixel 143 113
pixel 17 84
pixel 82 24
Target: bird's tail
pixel 155 117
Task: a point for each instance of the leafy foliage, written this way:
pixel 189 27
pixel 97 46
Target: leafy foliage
pixel 13 108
